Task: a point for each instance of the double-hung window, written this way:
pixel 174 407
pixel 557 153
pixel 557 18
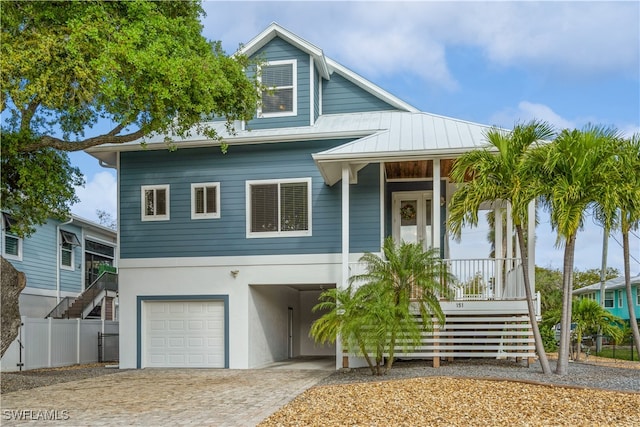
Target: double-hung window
pixel 608 299
pixel 279 208
pixel 11 243
pixel 155 202
pixel 279 98
pixel 205 200
pixel 68 241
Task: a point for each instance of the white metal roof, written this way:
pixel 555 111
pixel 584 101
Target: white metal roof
pixel 403 136
pixel 615 283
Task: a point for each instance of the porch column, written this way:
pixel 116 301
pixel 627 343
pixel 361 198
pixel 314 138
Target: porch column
pixel 342 360
pixel 497 253
pixel 436 203
pixel 531 244
pixel 345 225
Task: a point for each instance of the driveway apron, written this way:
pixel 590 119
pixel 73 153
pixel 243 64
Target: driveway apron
pixel 159 397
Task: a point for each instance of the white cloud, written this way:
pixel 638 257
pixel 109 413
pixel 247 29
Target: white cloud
pixel 99 193
pixel 527 111
pixel 574 39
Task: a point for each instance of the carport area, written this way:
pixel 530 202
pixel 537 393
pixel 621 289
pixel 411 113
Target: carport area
pixel 280 317
pixel 159 397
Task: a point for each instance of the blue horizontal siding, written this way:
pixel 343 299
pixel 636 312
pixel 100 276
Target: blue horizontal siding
pixel 39 260
pixel 183 237
pixel 339 95
pixel 364 211
pixel 279 50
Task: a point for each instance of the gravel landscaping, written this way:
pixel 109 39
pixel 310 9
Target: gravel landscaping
pixel 470 393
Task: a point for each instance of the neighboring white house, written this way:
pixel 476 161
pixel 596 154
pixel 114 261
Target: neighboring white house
pixel 223 256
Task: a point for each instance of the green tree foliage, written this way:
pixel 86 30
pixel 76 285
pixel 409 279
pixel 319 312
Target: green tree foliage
pixel 592 276
pixel 549 284
pixel 381 315
pixel 69 68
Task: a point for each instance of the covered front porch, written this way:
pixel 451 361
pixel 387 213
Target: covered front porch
pixel 487 315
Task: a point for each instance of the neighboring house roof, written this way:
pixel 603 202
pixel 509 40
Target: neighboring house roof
pixel 612 284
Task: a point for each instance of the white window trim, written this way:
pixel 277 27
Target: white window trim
pixel 143 215
pixel 206 215
pixel 612 299
pixel 294 70
pixel 5 253
pixel 73 259
pixel 297 233
pixel 637 295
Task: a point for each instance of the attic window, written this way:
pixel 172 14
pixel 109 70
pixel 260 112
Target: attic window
pixel 279 97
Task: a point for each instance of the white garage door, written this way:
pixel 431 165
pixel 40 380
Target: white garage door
pixel 187 334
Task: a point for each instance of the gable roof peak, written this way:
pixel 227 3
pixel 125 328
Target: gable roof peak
pixel 276 30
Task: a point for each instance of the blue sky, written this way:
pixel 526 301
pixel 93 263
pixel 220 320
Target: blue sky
pixel 496 63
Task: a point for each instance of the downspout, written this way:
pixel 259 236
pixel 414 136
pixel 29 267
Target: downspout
pixel 58 244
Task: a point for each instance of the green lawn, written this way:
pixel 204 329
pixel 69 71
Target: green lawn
pixel 622 353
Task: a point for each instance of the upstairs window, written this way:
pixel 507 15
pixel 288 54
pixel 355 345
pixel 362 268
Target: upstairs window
pixel 279 208
pixel 205 200
pixel 280 96
pixel 11 243
pixel 68 241
pixel 155 202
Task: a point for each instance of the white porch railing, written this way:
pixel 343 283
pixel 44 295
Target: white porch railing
pixel 479 279
pixel 487 279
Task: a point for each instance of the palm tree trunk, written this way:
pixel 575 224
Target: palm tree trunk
pixel 392 346
pixel 565 323
pixel 542 355
pixel 366 357
pixel 627 285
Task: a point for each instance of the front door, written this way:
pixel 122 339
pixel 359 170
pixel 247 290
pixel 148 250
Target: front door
pixel 412 217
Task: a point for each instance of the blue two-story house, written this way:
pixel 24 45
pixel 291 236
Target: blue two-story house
pixel 60 260
pixel 223 256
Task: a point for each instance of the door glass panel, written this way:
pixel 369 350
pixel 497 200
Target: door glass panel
pixel 409 221
pixel 428 242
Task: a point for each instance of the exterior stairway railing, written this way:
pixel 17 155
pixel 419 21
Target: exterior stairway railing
pixel 71 308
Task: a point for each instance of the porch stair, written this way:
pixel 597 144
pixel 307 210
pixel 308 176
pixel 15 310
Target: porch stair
pixel 73 308
pixel 478 336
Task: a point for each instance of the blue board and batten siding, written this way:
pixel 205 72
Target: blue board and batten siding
pixel 39 260
pixel 279 50
pixel 180 236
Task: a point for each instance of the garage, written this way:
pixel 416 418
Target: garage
pixel 183 334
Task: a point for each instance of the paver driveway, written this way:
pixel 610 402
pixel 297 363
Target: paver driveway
pixel 162 397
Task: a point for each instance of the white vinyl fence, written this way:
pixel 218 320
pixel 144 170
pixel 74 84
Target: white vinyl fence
pixel 48 343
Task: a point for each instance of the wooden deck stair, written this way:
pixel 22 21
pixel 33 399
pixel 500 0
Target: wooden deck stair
pixel 70 308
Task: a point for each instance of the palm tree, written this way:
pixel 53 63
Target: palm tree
pixel 571 175
pixel 496 176
pixel 627 190
pixel 410 281
pixel 587 314
pixel 350 314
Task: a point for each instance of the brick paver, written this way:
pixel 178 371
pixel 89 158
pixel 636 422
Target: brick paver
pixel 161 397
